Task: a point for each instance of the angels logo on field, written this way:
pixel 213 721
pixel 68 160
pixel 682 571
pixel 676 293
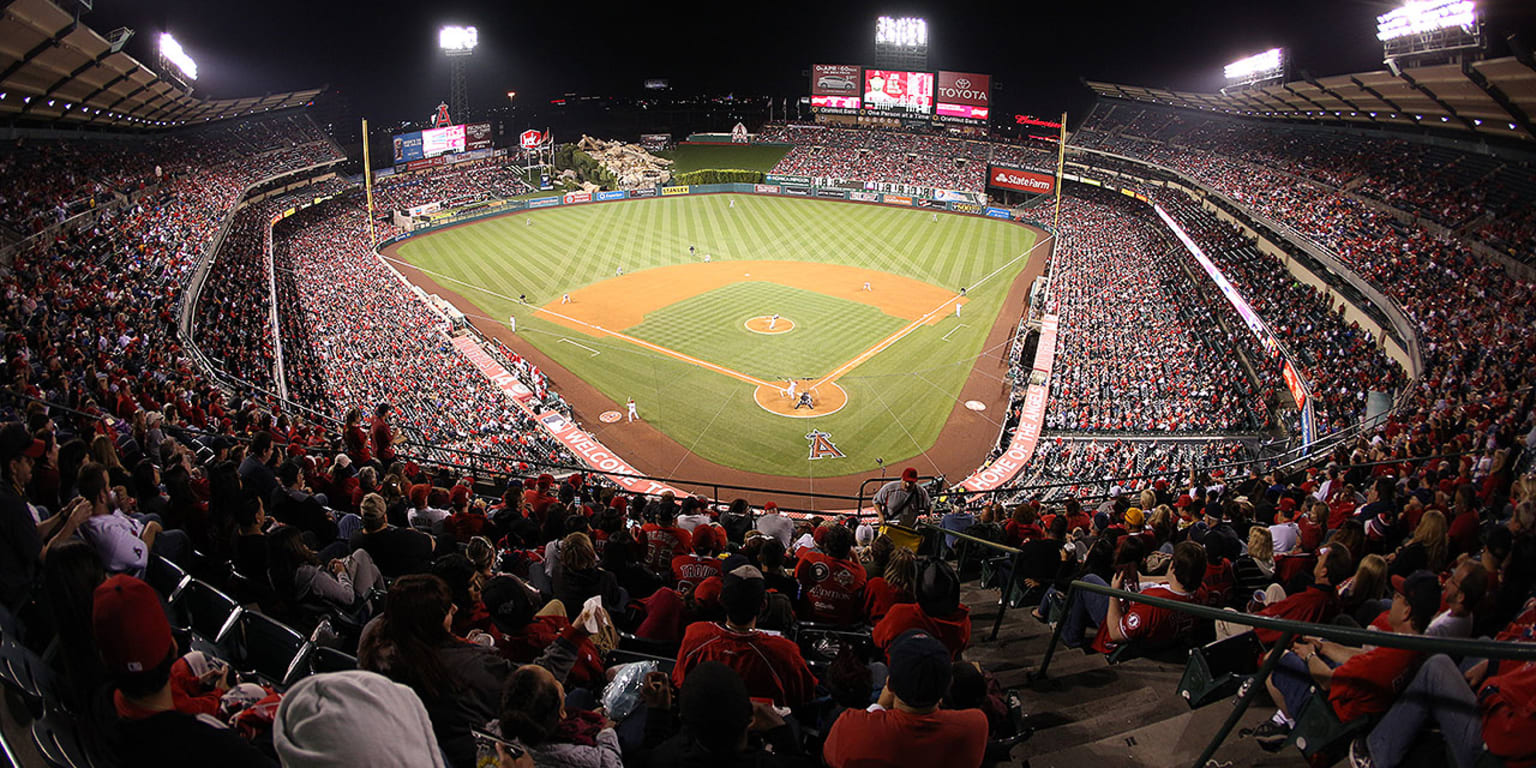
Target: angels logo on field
pixel 822 446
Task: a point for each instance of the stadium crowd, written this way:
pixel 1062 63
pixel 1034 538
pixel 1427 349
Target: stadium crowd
pixel 1137 351
pixel 883 156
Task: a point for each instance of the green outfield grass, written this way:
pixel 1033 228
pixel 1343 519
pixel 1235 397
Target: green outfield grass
pixel 828 331
pixel 747 157
pixel 898 400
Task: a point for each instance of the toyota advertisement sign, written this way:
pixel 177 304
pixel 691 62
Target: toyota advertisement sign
pixel 964 95
pixel 1021 180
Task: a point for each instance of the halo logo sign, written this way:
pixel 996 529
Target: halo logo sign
pixel 822 446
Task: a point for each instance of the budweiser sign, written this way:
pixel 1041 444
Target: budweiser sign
pixel 1023 181
pixel 965 88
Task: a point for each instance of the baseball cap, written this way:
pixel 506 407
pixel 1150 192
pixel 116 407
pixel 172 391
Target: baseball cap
pixel 1184 501
pixel 16 441
pixel 910 473
pixel 130 626
pixel 770 505
pixel 704 536
pixel 507 600
pixel 1422 591
pixel 459 495
pixel 920 668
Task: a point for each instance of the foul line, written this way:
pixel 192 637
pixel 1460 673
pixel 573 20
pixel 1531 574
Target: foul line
pixel 946 336
pixel 915 324
pixel 594 352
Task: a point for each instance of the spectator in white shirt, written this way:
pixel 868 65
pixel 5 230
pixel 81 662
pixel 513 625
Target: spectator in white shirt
pixel 1285 532
pixel 775 524
pixel 123 543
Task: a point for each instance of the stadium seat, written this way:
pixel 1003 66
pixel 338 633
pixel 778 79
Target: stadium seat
pixel 25 673
pixel 1319 732
pixel 266 646
pixel 1217 669
pixel 166 577
pixel 322 660
pixel 209 613
pixel 60 744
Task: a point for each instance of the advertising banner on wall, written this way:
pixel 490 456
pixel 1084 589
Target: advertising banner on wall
pixel 1031 419
pixel 679 190
pixel 544 202
pixel 614 194
pixel 578 197
pixel 778 178
pixel 999 213
pixel 1021 180
pixel 407 147
pixel 766 189
pixel 643 192
pixel 477 136
pixel 836 80
pixel 964 95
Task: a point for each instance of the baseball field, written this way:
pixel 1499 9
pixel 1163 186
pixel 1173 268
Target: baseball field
pixel 703 309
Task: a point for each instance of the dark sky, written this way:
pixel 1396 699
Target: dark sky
pixel 383 56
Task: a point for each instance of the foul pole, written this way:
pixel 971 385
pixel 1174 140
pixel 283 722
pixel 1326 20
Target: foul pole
pixel 1061 159
pixel 368 183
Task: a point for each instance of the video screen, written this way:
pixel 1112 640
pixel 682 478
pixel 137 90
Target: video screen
pixel 835 80
pixel 438 141
pixel 964 95
pixel 898 93
pixel 835 102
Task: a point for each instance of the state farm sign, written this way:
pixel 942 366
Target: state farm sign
pixel 965 88
pixel 1023 181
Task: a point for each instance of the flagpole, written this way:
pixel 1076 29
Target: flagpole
pixel 368 183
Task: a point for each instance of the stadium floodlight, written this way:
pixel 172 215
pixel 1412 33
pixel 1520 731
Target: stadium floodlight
pixel 171 51
pixel 1418 17
pixel 907 32
pixel 1423 32
pixel 1260 68
pixel 458 41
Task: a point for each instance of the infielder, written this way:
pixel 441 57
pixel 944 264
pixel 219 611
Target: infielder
pixel 690 250
pixel 566 299
pixel 706 258
pixel 618 272
pixel 632 414
pixel 866 286
pixel 772 321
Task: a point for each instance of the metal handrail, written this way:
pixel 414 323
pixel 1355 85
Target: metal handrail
pixel 1018 561
pixel 1289 629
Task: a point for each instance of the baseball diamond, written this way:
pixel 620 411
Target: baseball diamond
pixel 689 339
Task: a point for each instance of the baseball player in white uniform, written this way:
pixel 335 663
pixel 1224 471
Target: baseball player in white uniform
pixel 706 258
pixel 866 286
pixel 772 321
pixel 566 299
pixel 632 414
pixel 789 391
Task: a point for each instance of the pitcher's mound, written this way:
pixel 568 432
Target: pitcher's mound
pixel 826 399
pixel 760 323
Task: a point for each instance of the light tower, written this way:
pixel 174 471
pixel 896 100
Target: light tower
pixel 458 43
pixel 901 43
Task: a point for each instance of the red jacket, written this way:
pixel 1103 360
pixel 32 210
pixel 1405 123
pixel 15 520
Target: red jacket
pixel 770 665
pixel 1316 604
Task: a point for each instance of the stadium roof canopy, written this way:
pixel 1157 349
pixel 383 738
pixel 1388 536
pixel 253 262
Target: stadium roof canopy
pixel 1494 99
pixel 54 69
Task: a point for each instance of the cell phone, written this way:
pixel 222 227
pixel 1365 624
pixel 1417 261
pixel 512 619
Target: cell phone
pixel 512 749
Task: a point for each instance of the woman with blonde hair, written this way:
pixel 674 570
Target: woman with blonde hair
pixel 1425 550
pixel 579 577
pixel 1256 570
pixel 896 585
pixel 1360 595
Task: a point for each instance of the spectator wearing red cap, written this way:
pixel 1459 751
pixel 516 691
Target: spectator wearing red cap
pixel 135 642
pixel 775 524
pixel 770 665
pixel 423 515
pixel 906 726
pixel 358 446
pixel 832 581
pixel 689 570
pixel 538 499
pixel 902 500
pixel 1359 682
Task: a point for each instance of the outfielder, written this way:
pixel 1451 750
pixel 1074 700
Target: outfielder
pixel 632 414
pixel 706 258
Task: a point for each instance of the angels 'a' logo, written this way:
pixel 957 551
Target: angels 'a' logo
pixel 822 447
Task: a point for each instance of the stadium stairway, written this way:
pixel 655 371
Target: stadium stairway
pixel 1089 712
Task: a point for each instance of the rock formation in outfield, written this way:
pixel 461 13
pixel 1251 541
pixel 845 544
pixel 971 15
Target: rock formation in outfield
pixel 629 163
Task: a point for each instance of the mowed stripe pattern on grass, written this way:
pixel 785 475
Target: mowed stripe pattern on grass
pixel 900 398
pixel 828 331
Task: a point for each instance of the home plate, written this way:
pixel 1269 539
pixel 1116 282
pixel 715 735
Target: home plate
pixel 976 405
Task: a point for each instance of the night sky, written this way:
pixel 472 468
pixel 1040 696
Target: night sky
pixel 383 56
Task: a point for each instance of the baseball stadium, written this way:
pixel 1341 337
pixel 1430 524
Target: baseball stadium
pixel 569 389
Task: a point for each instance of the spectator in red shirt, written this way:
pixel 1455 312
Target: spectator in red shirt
pixel 1317 603
pixel 892 588
pixel 832 581
pixel 689 570
pixel 666 541
pixel 1359 682
pixel 1151 626
pixel 906 726
pixel 770 665
pixel 383 436
pixel 538 499
pixel 356 439
pixel 1022 527
pixel 937 611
